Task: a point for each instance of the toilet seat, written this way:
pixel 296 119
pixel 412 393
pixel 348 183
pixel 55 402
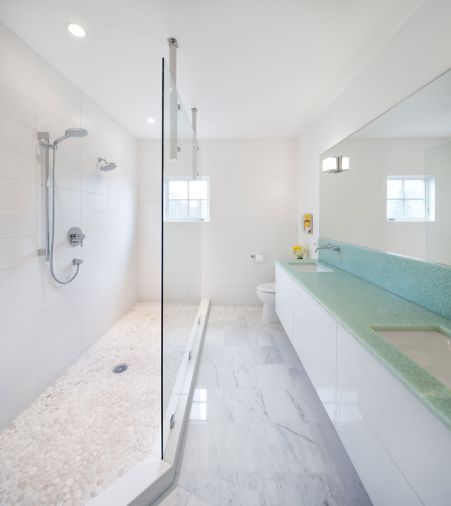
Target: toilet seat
pixel 267 287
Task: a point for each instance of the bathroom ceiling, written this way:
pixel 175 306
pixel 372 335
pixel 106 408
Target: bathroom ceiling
pixel 254 68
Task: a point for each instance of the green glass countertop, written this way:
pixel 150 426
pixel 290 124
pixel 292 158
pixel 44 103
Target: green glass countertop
pixel 358 306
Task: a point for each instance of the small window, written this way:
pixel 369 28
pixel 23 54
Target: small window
pixel 186 200
pixel 410 198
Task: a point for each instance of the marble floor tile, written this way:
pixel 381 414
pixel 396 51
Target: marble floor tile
pixel 180 497
pixel 267 439
pixel 207 376
pixel 281 407
pixel 236 376
pixel 205 485
pixel 243 406
pixel 237 333
pixel 278 375
pixel 249 489
pixel 266 355
pixel 203 446
pixel 211 353
pixel 294 449
pixel 236 355
pixel 243 448
pixel 261 334
pixel 214 336
pixel 306 489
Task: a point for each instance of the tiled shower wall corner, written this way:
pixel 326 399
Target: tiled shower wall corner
pixel 43 327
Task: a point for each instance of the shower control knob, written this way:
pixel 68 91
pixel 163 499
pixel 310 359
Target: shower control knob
pixel 76 236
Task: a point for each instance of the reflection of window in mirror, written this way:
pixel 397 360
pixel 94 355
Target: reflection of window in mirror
pixel 410 198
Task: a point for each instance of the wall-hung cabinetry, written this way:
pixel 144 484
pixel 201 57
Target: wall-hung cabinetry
pixel 400 450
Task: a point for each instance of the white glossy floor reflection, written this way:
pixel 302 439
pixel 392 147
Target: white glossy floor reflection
pixel 258 434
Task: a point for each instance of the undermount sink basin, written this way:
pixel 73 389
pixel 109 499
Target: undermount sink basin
pixel 430 349
pixel 313 267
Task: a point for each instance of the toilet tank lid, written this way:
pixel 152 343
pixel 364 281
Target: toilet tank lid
pixel 267 287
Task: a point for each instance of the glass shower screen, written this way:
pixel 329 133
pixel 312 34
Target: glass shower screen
pixel 181 255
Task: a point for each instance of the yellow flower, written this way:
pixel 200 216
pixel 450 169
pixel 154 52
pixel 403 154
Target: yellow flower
pixel 298 250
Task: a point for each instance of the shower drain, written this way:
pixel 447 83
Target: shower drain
pixel 120 368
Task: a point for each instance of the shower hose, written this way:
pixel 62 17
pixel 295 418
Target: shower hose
pixel 52 235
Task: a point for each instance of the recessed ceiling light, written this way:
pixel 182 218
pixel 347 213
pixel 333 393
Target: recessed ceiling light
pixel 76 30
pixel 151 121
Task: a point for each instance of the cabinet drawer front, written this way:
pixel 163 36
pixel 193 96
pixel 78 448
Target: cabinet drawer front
pixel 284 284
pixel 285 315
pixel 382 479
pixel 320 365
pixel 316 320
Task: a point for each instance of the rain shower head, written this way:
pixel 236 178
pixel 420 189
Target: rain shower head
pixel 104 165
pixel 71 132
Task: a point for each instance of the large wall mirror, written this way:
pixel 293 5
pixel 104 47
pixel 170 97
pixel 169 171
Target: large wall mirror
pixel 388 186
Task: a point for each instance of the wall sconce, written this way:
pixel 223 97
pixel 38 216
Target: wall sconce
pixel 335 164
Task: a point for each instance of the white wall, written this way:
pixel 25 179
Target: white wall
pixel 45 327
pixel 419 52
pixel 438 233
pixel 252 210
pixel 149 205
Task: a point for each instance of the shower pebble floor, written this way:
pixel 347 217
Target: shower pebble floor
pixel 92 426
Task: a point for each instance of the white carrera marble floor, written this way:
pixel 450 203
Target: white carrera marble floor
pixel 92 426
pixel 258 434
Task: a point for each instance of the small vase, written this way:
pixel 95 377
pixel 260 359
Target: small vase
pixel 300 257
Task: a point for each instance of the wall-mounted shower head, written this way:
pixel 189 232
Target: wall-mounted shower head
pixel 71 132
pixel 104 165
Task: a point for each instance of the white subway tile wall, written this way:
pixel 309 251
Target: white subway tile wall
pixel 253 199
pixel 43 327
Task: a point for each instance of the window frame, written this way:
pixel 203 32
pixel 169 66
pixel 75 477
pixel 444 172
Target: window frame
pixel 429 199
pixel 166 200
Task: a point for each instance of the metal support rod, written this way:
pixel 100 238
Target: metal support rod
pixel 173 109
pixel 44 139
pixel 194 143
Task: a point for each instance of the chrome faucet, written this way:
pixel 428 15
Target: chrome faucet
pixel 328 246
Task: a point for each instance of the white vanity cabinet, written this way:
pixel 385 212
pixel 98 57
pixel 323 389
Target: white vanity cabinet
pixel 400 450
pixel 313 333
pixel 314 339
pixel 284 300
pixel 417 446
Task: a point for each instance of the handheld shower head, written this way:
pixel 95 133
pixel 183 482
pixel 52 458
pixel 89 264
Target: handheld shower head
pixel 104 165
pixel 71 132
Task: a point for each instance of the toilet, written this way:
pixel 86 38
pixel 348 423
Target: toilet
pixel 266 292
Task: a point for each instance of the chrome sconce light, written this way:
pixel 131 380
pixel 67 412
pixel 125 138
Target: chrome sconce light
pixel 335 164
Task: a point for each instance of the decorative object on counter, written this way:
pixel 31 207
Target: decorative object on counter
pixel 308 223
pixel 298 251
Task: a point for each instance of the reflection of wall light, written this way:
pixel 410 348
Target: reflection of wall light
pixel 335 164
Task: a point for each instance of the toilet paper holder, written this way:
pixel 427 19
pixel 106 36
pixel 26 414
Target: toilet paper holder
pixel 257 258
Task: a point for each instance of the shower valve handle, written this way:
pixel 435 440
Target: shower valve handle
pixel 76 236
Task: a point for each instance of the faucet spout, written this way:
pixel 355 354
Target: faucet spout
pixel 332 247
